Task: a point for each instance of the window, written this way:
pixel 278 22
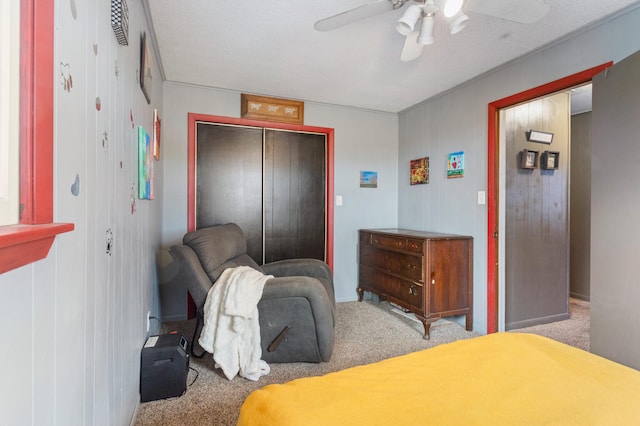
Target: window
pixel 9 107
pixel 30 239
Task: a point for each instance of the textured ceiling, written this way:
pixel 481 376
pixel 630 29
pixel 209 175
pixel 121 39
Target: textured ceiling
pixel 271 48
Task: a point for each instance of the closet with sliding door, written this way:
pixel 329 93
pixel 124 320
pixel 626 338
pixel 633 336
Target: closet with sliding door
pixel 271 182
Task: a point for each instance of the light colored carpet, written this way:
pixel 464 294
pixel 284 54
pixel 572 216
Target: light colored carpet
pixel 366 332
pixel 574 331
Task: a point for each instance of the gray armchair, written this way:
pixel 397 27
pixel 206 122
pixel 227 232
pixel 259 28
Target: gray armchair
pixel 297 309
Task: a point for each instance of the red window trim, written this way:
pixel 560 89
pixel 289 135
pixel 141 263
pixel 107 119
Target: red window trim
pixel 31 239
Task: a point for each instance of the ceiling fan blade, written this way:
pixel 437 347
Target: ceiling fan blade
pixel 411 49
pixel 353 15
pixel 522 11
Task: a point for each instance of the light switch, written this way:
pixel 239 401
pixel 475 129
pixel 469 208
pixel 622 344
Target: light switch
pixel 482 198
pixel 338 200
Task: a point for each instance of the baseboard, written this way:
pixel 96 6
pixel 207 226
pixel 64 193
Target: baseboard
pixel 135 413
pixel 584 297
pixel 537 321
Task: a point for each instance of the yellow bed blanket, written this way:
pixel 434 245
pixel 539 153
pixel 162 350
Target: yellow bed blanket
pixel 498 379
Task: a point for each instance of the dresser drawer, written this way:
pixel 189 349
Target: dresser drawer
pixel 397 243
pixel 405 265
pixel 400 291
pixel 365 237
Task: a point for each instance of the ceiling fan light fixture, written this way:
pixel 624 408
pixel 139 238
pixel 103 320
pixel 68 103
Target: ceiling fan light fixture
pixel 425 36
pixel 457 23
pixel 407 23
pixel 452 7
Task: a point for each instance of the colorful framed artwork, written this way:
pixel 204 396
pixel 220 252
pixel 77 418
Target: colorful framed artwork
pixel 156 135
pixel 145 165
pixel 368 179
pixel 455 165
pixel 419 171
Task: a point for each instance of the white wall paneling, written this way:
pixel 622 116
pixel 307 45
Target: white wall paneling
pixel 79 316
pixel 457 120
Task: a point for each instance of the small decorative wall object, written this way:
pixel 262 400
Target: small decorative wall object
pixel 455 165
pixel 74 9
pixel 156 135
pixel 65 76
pixel 146 62
pixel 145 165
pixel 550 160
pixel 528 159
pixel 419 170
pixel 120 21
pixel 368 179
pixel 271 109
pixel 105 141
pixel 539 136
pixel 75 186
pixel 109 249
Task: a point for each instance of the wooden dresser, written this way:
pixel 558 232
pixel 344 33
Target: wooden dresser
pixel 429 274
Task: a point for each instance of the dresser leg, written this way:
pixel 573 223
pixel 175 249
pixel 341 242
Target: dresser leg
pixel 427 330
pixel 360 294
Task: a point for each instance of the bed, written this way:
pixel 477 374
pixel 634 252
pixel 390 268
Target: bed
pixel 498 379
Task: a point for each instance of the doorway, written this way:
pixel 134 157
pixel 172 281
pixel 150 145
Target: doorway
pixel 495 246
pixel 534 213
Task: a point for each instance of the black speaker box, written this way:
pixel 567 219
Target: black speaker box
pixel 164 366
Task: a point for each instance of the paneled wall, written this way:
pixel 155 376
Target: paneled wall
pixel 75 322
pixel 364 140
pixel 457 121
pixel 580 202
pixel 536 215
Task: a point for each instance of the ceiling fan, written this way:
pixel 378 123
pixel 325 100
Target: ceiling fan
pixel 418 22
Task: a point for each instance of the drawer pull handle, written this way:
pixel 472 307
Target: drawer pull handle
pixel 413 290
pixel 433 278
pixel 410 266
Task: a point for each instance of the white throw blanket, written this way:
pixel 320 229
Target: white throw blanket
pixel 231 330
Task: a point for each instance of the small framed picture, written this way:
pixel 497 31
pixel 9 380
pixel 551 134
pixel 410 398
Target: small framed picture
pixel 550 160
pixel 419 171
pixel 529 159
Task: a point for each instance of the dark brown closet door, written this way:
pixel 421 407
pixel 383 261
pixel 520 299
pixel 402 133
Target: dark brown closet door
pixel 229 180
pixel 294 195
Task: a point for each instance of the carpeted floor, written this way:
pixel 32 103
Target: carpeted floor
pixel 365 332
pixel 575 331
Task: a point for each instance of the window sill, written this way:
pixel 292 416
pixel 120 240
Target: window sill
pixel 24 244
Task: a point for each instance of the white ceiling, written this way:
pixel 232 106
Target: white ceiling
pixel 270 48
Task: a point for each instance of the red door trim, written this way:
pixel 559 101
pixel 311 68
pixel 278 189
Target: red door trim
pixel 193 118
pixel 492 169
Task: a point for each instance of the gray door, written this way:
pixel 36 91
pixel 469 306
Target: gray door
pixel 615 205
